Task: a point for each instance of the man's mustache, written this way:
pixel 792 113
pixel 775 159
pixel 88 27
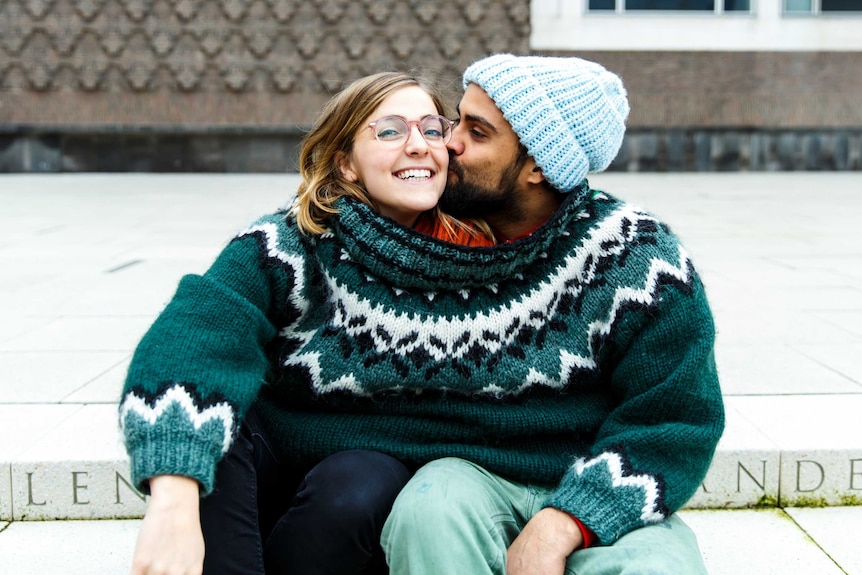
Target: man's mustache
pixel 456 168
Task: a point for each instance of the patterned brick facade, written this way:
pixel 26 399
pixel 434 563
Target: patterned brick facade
pixel 217 63
pixel 229 85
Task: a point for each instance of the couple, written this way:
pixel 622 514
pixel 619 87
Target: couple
pixel 365 384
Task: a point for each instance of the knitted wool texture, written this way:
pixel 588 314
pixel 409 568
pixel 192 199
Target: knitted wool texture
pixel 580 357
pixel 568 112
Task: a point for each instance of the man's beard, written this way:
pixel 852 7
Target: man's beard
pixel 479 200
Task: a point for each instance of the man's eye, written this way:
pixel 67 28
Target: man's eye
pixel 477 134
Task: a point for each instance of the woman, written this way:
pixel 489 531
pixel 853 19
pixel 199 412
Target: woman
pixel 196 407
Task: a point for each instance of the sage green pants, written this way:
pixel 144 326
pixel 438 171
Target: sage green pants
pixel 455 517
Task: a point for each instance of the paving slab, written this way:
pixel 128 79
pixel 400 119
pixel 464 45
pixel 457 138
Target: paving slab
pixel 106 388
pixel 84 334
pixel 741 542
pixel 776 369
pixel 836 530
pixel 844 358
pixel 758 542
pixel 22 426
pixel 50 376
pixel 68 547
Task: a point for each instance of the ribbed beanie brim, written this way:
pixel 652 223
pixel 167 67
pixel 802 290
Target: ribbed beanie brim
pixel 569 113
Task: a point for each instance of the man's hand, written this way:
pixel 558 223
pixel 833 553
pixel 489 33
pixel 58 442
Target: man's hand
pixel 170 541
pixel 544 544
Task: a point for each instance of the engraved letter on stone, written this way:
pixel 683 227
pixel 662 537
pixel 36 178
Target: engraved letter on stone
pixel 119 478
pixel 799 476
pixel 741 468
pixel 76 487
pixel 854 474
pixel 30 490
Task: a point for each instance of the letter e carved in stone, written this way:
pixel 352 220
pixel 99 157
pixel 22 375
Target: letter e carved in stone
pixel 76 487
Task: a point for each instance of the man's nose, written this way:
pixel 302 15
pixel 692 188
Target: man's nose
pixel 455 144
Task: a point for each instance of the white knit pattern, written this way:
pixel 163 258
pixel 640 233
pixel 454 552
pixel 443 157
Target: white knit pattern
pixel 650 512
pixel 443 337
pixel 177 395
pixel 270 233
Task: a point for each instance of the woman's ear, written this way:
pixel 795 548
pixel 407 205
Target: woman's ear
pixel 345 167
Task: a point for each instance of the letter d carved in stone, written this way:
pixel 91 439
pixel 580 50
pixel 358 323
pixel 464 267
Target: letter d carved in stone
pixel 822 473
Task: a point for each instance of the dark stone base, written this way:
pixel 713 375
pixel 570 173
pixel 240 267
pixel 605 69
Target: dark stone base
pixel 149 152
pixel 644 150
pixel 695 150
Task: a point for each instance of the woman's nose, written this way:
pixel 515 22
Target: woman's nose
pixel 415 141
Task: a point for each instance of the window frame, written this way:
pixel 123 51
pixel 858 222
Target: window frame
pixel 816 10
pixel 718 9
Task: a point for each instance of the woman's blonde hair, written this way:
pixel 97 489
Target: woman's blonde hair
pixel 331 140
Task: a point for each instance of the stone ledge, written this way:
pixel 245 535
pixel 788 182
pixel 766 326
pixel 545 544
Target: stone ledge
pixel 78 469
pixel 73 490
pixel 80 489
pixel 644 149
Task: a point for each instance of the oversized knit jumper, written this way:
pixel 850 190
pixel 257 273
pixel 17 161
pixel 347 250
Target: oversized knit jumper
pixel 580 357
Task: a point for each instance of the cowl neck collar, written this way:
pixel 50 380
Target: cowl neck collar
pixel 408 259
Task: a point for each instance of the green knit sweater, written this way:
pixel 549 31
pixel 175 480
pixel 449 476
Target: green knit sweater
pixel 580 357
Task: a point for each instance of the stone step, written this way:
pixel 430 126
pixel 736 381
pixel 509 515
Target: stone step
pixel 66 461
pixel 787 451
pixel 733 542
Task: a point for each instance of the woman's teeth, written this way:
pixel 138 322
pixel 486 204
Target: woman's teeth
pixel 414 174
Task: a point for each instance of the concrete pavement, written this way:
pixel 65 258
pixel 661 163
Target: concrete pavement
pixel 87 261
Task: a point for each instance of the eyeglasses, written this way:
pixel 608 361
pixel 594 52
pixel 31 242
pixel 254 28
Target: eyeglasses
pixel 395 130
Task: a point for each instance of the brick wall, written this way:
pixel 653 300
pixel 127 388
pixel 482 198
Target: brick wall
pixel 171 64
pixel 740 90
pixel 229 85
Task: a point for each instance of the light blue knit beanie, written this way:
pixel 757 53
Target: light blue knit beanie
pixel 568 112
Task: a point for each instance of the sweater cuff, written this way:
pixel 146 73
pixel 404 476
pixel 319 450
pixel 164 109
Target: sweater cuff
pixel 173 445
pixel 150 459
pixel 604 496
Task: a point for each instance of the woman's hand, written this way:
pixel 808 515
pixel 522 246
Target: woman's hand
pixel 170 541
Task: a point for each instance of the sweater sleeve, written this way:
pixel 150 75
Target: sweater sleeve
pixel 199 367
pixel 654 449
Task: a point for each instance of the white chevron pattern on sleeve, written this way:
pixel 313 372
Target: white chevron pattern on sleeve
pixel 614 463
pixel 177 395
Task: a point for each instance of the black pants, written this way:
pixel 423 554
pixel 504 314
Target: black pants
pixel 265 518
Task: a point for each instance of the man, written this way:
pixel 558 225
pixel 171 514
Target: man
pixel 633 388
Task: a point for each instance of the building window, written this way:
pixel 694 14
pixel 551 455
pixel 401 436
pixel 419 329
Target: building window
pixel 717 6
pixel 821 6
